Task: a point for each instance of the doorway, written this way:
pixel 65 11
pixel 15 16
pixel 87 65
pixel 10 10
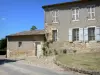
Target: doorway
pixel 38 49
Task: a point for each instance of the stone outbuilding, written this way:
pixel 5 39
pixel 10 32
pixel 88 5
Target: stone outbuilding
pixel 27 43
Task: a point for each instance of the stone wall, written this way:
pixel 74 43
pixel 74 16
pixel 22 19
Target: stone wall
pixel 80 47
pixel 20 54
pixel 48 31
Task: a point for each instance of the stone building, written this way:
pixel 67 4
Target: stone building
pixel 70 25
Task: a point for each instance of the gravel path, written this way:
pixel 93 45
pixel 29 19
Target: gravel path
pixel 44 62
pixel 18 68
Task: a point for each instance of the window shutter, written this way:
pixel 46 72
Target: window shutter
pixel 85 34
pixel 70 34
pixel 81 34
pixel 97 33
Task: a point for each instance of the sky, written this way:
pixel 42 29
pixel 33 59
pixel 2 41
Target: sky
pixel 20 15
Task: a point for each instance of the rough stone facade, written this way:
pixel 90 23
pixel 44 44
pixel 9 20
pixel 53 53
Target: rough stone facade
pixel 27 48
pixel 79 47
pixel 20 53
pixel 48 31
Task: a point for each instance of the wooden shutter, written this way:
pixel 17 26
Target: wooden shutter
pixel 81 35
pixel 85 34
pixel 97 33
pixel 70 35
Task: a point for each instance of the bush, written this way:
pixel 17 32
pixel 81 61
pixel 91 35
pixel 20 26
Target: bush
pixel 74 51
pixel 64 51
pixel 3 43
pixel 46 50
pixel 55 52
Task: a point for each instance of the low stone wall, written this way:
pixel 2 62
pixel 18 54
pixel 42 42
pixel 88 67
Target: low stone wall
pixel 79 47
pixel 20 53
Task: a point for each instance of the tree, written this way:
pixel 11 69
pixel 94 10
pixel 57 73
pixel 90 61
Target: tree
pixel 33 28
pixel 3 43
pixel 85 0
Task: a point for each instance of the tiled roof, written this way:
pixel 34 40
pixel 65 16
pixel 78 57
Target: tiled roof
pixel 32 32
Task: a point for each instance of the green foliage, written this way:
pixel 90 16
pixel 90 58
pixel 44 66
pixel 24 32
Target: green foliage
pixel 33 28
pixel 55 52
pixel 64 51
pixel 46 50
pixel 3 43
pixel 84 0
pixel 74 51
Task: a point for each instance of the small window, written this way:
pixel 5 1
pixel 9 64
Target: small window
pixel 76 34
pixel 75 14
pixel 91 34
pixel 91 13
pixel 19 44
pixel 54 35
pixel 55 16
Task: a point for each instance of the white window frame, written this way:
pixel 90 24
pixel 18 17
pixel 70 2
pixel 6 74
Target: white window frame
pixel 75 14
pixel 91 7
pixel 94 32
pixel 55 16
pixel 57 34
pixel 72 34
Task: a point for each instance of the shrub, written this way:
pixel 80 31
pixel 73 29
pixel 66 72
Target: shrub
pixel 44 51
pixel 64 51
pixel 74 51
pixel 55 52
pixel 3 43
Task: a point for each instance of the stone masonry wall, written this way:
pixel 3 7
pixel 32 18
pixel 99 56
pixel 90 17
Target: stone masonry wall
pixel 48 30
pixel 60 45
pixel 20 53
pixel 80 47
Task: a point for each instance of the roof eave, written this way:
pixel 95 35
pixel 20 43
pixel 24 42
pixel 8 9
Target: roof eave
pixel 68 3
pixel 24 35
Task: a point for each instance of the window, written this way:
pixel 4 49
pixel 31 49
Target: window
pixel 55 16
pixel 76 34
pixel 91 13
pixel 54 35
pixel 19 44
pixel 91 33
pixel 75 14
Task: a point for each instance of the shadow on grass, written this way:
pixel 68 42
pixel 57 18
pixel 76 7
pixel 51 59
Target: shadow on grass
pixel 3 61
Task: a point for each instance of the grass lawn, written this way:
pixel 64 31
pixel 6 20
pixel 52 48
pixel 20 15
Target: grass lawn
pixel 88 61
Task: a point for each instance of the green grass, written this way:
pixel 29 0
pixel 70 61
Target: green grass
pixel 88 61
